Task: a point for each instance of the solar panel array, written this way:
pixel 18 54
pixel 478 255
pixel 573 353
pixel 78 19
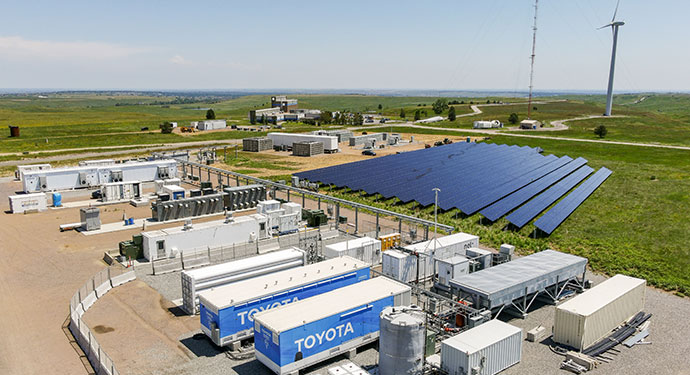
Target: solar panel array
pixel 473 177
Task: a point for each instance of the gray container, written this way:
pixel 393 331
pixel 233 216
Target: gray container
pixel 90 218
pixel 484 350
pixel 401 340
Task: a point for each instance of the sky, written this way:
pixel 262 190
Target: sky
pixel 435 45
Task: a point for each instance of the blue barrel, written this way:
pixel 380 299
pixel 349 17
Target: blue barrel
pixel 469 140
pixel 57 199
pixel 130 221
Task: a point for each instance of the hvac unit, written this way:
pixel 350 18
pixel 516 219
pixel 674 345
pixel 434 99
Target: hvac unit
pixel 82 178
pixel 115 176
pixel 163 173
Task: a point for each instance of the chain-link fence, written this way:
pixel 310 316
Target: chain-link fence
pixel 81 301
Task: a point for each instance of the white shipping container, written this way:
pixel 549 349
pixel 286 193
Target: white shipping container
pixel 587 318
pixel 400 266
pixel 28 202
pixel 450 268
pixel 484 350
pixel 21 169
pixel 330 143
pixel 171 242
pixel 91 163
pixel 116 191
pixel 197 280
pixel 365 248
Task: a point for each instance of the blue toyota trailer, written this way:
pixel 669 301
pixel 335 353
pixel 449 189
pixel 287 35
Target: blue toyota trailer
pixel 292 337
pixel 226 312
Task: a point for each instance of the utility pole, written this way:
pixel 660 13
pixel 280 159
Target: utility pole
pixel 531 69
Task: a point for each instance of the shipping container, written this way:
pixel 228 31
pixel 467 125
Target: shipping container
pixel 198 280
pixel 95 176
pixel 292 337
pixel 450 268
pixel 227 312
pixel 28 202
pixel 587 318
pixel 500 285
pixel 172 242
pixel 365 248
pixel 330 143
pixel 484 350
pixel 19 173
pixel 400 266
pixel 91 163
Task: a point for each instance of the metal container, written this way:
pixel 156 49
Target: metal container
pixel 227 312
pixel 587 318
pixel 450 268
pixel 116 191
pixel 21 169
pixel 292 337
pixel 365 248
pixel 28 202
pixel 400 266
pixel 90 218
pixel 197 280
pixel 501 285
pixel 484 350
pixel 330 144
pixel 402 340
pixel 441 248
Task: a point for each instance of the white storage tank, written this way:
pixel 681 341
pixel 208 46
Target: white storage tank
pixel 365 248
pixel 399 265
pixel 28 202
pixel 401 340
pixel 585 319
pixel 483 350
pixel 197 280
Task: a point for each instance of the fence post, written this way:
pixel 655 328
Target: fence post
pixel 377 224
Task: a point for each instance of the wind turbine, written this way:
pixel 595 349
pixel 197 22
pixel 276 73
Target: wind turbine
pixel 614 28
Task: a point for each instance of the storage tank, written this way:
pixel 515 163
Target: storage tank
pixel 401 340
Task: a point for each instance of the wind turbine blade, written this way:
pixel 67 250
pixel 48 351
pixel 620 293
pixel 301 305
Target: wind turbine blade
pixel 615 11
pixel 603 27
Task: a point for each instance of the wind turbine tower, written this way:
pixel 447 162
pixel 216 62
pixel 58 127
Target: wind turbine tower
pixel 614 28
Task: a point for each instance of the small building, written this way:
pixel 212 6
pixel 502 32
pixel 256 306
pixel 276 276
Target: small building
pixel 255 115
pixel 308 148
pixel 257 144
pixel 282 102
pixel 529 124
pixel 210 124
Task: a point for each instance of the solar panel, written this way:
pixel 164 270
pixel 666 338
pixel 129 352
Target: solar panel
pixel 556 215
pixel 529 211
pixel 510 202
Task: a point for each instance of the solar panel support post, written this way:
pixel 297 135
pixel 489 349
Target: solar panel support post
pixel 356 220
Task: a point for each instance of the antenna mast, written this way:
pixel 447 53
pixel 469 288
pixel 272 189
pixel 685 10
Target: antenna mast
pixel 531 69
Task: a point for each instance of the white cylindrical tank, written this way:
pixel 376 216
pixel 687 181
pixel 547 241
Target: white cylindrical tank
pixel 401 341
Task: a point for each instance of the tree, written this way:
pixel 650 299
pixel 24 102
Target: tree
pixel 359 119
pixel 210 115
pixel 263 119
pixel 380 107
pixel 402 112
pixel 601 131
pixel 166 127
pixel 451 114
pixel 439 106
pixel 417 115
pixel 513 118
pixel 326 117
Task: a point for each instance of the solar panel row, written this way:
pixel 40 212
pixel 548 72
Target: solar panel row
pixel 489 178
pixel 510 202
pixel 531 209
pixel 556 215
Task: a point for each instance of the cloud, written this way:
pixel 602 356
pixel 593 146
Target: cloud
pixel 179 60
pixel 18 47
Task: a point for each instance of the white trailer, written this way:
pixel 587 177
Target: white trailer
pixel 87 176
pixel 173 242
pixel 487 124
pixel 96 163
pixel 198 280
pixel 28 202
pixel 366 249
pixel 21 169
pixel 211 124
pixel 330 143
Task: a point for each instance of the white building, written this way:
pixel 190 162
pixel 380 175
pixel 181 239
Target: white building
pixel 210 124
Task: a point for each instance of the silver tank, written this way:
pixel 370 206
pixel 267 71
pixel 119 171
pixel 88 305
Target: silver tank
pixel 401 342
